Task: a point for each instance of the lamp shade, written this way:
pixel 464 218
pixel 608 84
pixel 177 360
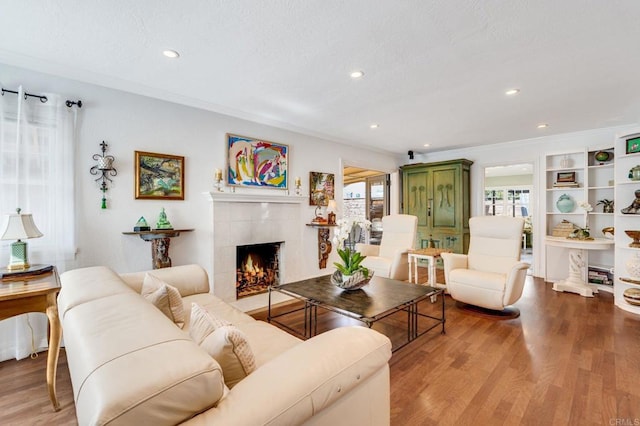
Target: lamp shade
pixel 332 206
pixel 19 227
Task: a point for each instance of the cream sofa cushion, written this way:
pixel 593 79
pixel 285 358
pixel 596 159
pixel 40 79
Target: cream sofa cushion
pixel 226 343
pixel 229 347
pixel 203 323
pixel 164 297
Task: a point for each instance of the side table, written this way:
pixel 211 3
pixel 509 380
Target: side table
pixel 428 254
pixel 24 293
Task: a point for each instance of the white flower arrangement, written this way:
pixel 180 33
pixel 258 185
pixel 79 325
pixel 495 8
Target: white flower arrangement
pixel 345 226
pixel 585 206
pixel 583 233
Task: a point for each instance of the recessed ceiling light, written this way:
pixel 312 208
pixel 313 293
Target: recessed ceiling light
pixel 356 74
pixel 170 53
pixel 543 126
pixel 374 126
pixel 512 92
pixel 426 145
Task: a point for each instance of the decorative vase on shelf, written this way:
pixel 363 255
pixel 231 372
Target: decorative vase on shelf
pixel 633 265
pixel 602 156
pixel 566 162
pixel 565 204
pixel 634 173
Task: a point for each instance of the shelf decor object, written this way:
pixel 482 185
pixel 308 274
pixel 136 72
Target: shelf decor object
pixel 632 296
pixel 103 169
pixel 602 156
pixel 633 145
pixel 634 207
pixel 632 265
pixel 636 238
pixel 565 204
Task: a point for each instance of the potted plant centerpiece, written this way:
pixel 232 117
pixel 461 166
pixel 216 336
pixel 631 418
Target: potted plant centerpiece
pixel 350 274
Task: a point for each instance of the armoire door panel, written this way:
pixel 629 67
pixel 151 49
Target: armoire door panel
pixel 416 201
pixel 444 206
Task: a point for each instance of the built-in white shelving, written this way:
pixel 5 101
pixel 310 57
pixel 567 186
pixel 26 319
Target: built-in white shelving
pixel 595 182
pixel 625 189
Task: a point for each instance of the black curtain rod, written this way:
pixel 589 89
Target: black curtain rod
pixel 42 98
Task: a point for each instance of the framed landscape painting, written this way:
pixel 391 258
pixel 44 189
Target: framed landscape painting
pixel 256 163
pixel 321 188
pixel 159 176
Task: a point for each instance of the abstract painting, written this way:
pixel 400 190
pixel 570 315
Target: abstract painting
pixel 256 163
pixel 159 176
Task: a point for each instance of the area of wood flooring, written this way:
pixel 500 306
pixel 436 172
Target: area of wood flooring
pixel 566 360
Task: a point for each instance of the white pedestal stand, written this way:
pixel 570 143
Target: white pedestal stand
pixel 577 255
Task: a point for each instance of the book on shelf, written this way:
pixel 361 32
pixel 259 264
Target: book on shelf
pixel 597 275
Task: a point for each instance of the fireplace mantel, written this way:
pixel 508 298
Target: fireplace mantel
pixel 233 197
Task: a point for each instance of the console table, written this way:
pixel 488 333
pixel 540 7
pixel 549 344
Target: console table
pixel 160 239
pixel 577 255
pixel 324 244
pixel 37 292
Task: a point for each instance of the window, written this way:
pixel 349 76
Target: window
pixel 506 201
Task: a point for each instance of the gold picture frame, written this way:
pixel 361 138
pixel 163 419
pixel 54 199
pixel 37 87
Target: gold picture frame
pixel 158 176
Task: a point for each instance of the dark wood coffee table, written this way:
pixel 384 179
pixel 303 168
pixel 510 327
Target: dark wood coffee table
pixel 377 300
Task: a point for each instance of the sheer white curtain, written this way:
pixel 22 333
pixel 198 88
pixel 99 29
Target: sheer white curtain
pixel 37 174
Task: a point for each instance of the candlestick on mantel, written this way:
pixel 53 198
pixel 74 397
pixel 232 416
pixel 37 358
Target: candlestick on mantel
pixel 217 177
pixel 298 185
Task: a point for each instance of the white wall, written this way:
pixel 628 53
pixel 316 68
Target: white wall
pixel 129 122
pixel 525 151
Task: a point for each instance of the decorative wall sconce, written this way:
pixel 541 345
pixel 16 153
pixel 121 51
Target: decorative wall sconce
pixel 103 170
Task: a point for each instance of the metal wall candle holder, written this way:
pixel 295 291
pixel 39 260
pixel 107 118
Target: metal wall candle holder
pixel 103 170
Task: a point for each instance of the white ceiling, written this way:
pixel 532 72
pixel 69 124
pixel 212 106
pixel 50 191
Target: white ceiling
pixel 435 70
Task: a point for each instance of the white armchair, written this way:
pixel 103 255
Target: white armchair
pixel 491 276
pixel 389 259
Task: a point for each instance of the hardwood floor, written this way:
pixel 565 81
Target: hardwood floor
pixel 566 360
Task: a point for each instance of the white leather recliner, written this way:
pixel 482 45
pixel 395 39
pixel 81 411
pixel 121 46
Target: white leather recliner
pixel 491 276
pixel 389 259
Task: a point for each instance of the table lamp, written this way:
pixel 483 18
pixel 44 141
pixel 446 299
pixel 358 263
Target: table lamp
pixel 19 227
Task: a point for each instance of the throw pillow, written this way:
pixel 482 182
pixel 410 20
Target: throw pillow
pixel 165 297
pixel 203 323
pixel 228 345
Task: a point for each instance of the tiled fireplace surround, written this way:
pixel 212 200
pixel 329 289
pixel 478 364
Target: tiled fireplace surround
pixel 242 219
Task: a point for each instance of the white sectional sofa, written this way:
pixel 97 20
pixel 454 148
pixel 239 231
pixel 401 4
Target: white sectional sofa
pixel 130 364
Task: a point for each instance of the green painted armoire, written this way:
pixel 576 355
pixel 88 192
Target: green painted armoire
pixel 439 194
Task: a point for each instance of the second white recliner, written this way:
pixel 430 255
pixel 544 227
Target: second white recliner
pixel 491 276
pixel 389 259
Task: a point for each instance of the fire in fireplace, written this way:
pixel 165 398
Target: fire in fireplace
pixel 257 267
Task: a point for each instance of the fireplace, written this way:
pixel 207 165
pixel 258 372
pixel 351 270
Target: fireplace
pixel 257 267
